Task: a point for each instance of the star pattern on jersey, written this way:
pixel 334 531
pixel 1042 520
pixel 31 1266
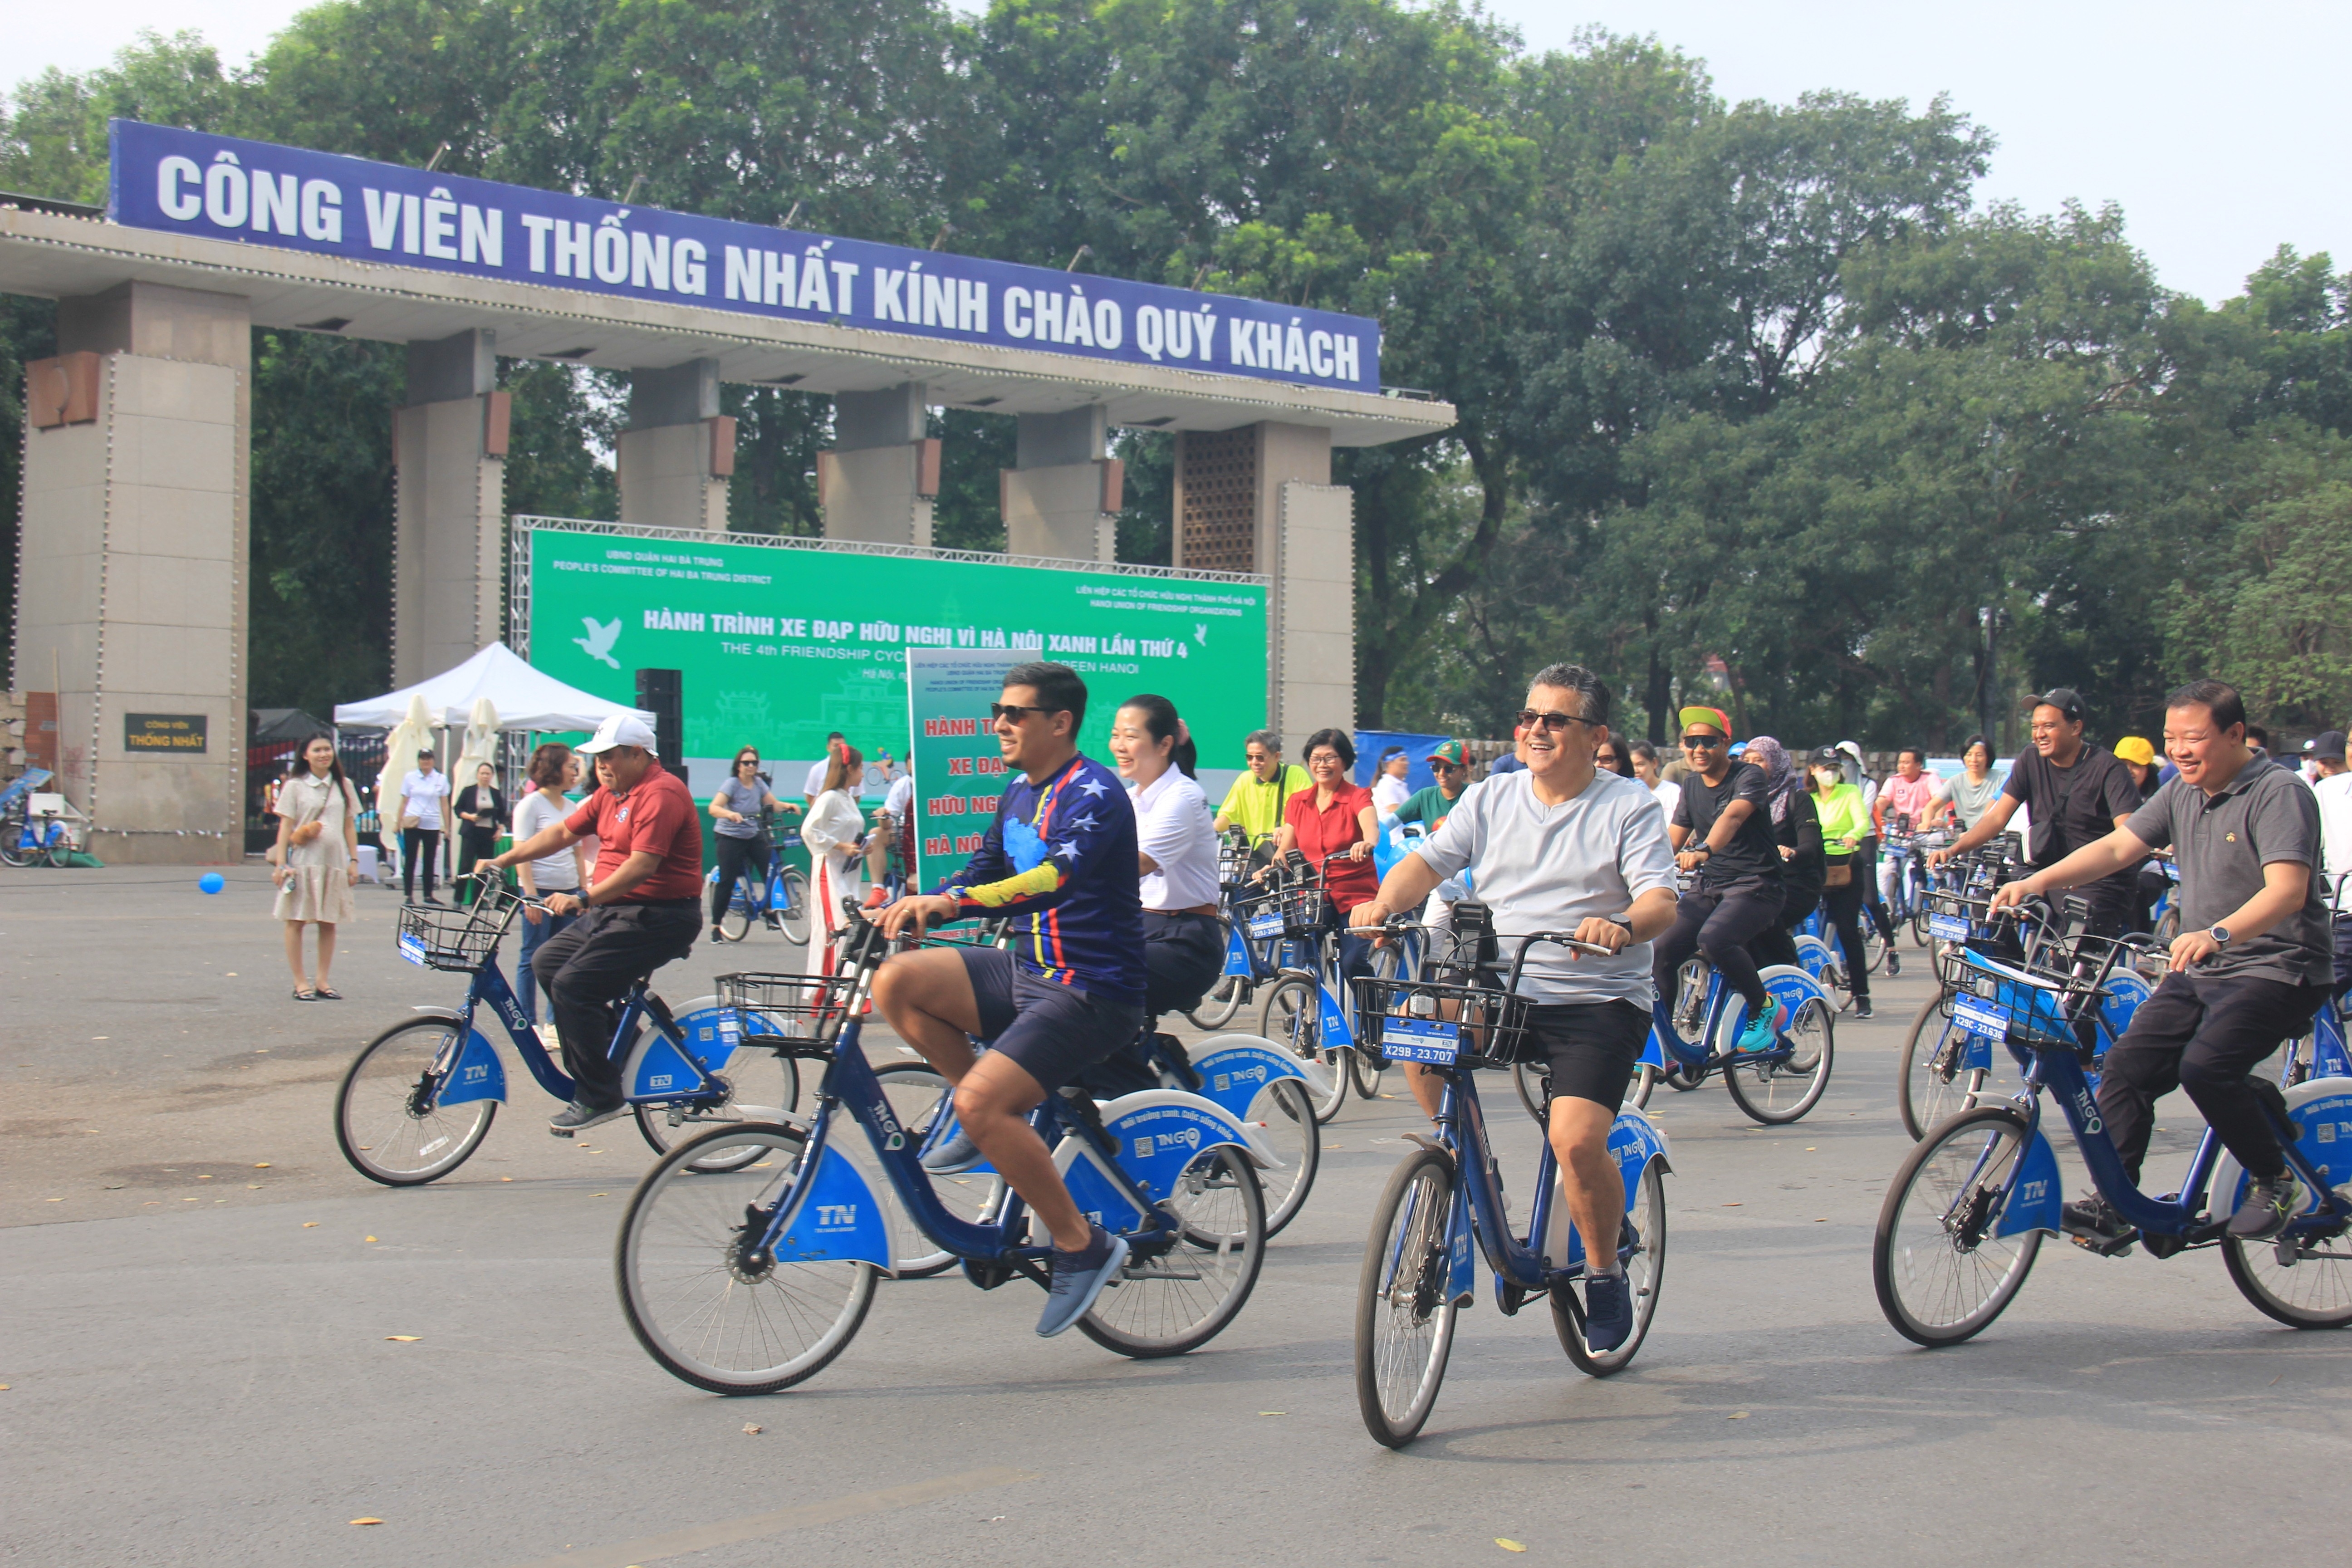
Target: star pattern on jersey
pixel 1091 788
pixel 1082 823
pixel 1066 848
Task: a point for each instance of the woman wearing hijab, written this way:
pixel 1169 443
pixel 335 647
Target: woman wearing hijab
pixel 1798 827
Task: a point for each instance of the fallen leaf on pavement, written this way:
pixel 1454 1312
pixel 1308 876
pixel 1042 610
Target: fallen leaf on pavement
pixel 367 1521
pixel 403 1339
pixel 310 1225
pixel 370 1238
pixel 1509 1545
pixel 1736 1416
pixel 752 1428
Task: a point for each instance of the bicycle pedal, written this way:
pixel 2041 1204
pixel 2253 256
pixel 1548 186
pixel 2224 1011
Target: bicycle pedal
pixel 2105 1247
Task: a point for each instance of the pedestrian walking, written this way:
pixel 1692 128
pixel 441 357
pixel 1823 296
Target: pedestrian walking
pixel 422 790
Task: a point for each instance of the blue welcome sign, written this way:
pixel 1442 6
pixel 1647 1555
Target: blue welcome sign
pixel 256 192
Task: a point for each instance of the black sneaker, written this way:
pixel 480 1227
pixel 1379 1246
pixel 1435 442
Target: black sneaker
pixel 2270 1203
pixel 1894 960
pixel 578 1116
pixel 1608 1310
pixel 2094 1219
pixel 716 935
pixel 1861 1007
pixel 1078 1278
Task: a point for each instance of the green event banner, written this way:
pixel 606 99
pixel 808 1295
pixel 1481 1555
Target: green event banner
pixel 779 644
pixel 959 765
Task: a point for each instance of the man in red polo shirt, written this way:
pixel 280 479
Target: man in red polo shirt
pixel 644 907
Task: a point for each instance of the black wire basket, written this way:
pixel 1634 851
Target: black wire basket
pixel 457 941
pixel 1306 913
pixel 804 1013
pixel 1422 1020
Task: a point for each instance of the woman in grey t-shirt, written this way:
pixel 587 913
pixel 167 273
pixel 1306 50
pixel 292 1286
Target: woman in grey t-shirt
pixel 1975 788
pixel 735 818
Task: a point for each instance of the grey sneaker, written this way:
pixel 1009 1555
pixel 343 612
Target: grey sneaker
pixel 2270 1204
pixel 1078 1278
pixel 578 1116
pixel 956 1153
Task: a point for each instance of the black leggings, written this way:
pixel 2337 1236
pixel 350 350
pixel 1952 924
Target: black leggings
pixel 1865 872
pixel 1843 906
pixel 1718 923
pixel 734 854
pixel 1777 943
pixel 414 842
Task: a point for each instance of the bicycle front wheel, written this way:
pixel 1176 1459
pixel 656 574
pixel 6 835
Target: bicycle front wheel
pixel 1932 1081
pixel 1404 1314
pixel 734 921
pixel 1776 1092
pixel 1919 934
pixel 1646 1268
pixel 1941 1273
pixel 389 1120
pixel 794 912
pixel 710 1315
pixel 919 1097
pixel 1225 999
pixel 1182 1297
pixel 1283 1112
pixel 1528 1079
pixel 1292 1017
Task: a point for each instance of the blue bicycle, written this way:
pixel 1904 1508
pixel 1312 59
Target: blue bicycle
pixel 420 1098
pixel 781 901
pixel 748 1257
pixel 1443 1206
pixel 1697 1035
pixel 1965 1216
pixel 1308 1009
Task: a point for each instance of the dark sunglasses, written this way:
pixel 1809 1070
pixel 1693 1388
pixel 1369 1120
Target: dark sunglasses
pixel 1437 766
pixel 1703 742
pixel 1013 712
pixel 1555 722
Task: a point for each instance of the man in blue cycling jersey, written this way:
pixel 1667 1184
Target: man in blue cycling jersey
pixel 1060 858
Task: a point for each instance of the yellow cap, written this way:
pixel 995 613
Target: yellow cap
pixel 2133 749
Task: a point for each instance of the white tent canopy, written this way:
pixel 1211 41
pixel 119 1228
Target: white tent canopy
pixel 526 698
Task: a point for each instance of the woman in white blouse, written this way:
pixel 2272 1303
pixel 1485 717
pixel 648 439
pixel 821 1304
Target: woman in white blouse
pixel 834 833
pixel 1184 944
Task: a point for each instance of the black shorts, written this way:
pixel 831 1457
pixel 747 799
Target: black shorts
pixel 1053 1032
pixel 1592 1047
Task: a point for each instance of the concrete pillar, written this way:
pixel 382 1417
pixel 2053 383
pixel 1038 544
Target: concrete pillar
pixel 131 582
pixel 678 452
pixel 1260 499
pixel 877 482
pixel 1061 499
pixel 449 555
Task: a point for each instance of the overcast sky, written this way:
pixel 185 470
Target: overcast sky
pixel 2208 123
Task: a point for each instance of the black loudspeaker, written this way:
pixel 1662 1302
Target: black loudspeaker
pixel 659 693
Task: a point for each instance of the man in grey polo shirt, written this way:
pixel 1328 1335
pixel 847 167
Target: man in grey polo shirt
pixel 2251 966
pixel 1562 846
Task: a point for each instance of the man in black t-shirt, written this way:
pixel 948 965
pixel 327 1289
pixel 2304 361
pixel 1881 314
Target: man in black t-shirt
pixel 1722 828
pixel 2078 795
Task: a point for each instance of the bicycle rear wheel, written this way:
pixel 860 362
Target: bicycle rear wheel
pixel 1179 1299
pixel 1919 933
pixel 793 912
pixel 709 1316
pixel 919 1097
pixel 1775 1092
pixel 2311 1289
pixel 734 922
pixel 1646 1268
pixel 1931 1081
pixel 761 1086
pixel 1940 1273
pixel 382 1125
pixel 1282 1112
pixel 1404 1315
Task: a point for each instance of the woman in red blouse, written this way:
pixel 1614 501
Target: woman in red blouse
pixel 1333 825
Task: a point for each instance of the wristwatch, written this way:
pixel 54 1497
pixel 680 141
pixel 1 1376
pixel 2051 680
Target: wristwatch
pixel 2220 935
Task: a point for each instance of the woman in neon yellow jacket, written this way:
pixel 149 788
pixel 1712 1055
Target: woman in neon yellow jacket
pixel 1846 822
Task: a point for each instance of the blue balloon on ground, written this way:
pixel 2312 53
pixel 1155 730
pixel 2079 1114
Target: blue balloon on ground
pixel 212 881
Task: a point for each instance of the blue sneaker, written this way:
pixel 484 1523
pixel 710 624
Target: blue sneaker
pixel 956 1153
pixel 1078 1278
pixel 1608 1310
pixel 1763 1031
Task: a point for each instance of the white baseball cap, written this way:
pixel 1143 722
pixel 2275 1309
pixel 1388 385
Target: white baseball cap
pixel 618 730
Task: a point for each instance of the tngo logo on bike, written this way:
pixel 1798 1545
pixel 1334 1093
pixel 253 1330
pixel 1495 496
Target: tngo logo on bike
pixel 2089 1112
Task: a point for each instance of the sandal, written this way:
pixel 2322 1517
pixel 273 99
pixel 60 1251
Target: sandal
pixel 301 996
pixel 325 993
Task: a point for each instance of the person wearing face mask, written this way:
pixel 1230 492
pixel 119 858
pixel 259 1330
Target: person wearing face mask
pixel 1799 830
pixel 1722 829
pixel 1845 824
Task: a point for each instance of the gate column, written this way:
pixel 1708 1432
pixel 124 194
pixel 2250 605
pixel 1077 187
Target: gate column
pixel 678 453
pixel 1061 498
pixel 877 482
pixel 132 586
pixel 448 557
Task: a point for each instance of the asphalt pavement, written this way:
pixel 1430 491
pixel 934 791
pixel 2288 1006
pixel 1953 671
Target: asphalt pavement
pixel 221 1345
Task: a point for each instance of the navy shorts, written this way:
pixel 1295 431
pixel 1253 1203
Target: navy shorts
pixel 1053 1032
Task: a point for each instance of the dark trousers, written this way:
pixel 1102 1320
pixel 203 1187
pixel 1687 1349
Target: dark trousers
pixel 472 848
pixel 734 854
pixel 2204 1035
pixel 1777 943
pixel 1718 923
pixel 587 969
pixel 1865 872
pixel 416 842
pixel 1842 906
pixel 1182 956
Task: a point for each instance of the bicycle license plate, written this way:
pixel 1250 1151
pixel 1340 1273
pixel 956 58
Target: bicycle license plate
pixel 412 950
pixel 1976 1018
pixel 1432 1041
pixel 1950 928
pixel 1266 925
